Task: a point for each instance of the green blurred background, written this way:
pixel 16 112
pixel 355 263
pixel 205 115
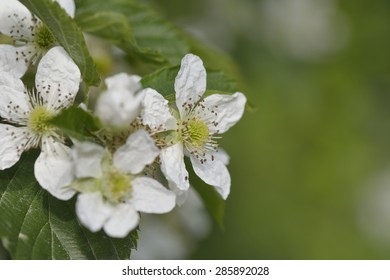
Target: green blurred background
pixel 309 166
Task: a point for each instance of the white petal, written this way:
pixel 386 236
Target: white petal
pixel 14 104
pixel 119 105
pixel 124 82
pixel 118 108
pixel 10 82
pixel 68 6
pixel 139 151
pixel 15 17
pixel 155 111
pixel 87 158
pixel 12 144
pixel 123 220
pixel 194 215
pixel 27 53
pixel 229 109
pixel 58 78
pixel 172 165
pixel 181 196
pixel 222 155
pixel 150 196
pixel 190 83
pixel 53 169
pixel 213 173
pixel 92 210
pixel 10 63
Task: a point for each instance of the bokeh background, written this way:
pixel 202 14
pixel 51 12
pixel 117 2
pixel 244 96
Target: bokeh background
pixel 311 164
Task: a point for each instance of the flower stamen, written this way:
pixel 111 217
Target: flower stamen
pixel 195 132
pixel 44 39
pixel 196 135
pixel 116 186
pixel 38 120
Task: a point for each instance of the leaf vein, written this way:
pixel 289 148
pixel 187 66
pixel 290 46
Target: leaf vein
pixel 24 219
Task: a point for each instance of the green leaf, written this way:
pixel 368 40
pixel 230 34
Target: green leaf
pixel 219 82
pixel 35 225
pixel 3 253
pixel 156 41
pixel 214 58
pixel 67 34
pixel 76 122
pixel 163 82
pixel 109 25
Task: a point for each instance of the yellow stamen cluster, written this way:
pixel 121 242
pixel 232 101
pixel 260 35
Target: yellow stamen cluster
pixel 196 133
pixel 116 186
pixel 38 120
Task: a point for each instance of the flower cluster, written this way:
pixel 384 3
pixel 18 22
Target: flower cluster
pixel 135 162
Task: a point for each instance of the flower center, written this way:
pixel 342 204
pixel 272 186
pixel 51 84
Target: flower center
pixel 196 133
pixel 115 138
pixel 38 120
pixel 43 37
pixel 116 186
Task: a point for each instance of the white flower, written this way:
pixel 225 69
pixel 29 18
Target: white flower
pixel 198 123
pixel 113 189
pixel 27 112
pixel 175 235
pixel 31 37
pixel 120 104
